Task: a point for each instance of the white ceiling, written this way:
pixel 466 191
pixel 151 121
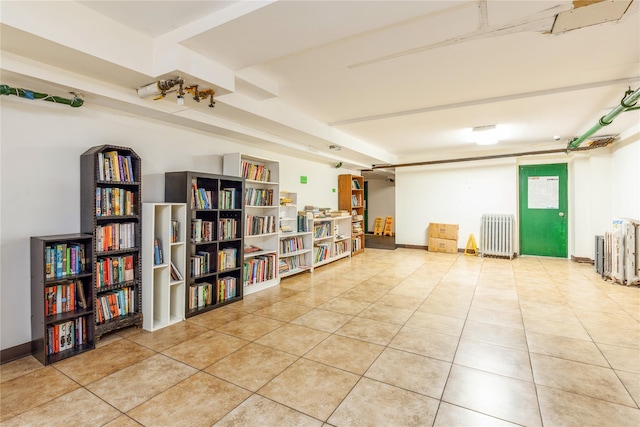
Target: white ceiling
pixel 388 81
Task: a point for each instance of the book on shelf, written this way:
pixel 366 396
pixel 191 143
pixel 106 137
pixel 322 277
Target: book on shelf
pixel 355 184
pixel 157 251
pixel 128 268
pixel 82 301
pixel 175 229
pixel 175 273
pixel 251 249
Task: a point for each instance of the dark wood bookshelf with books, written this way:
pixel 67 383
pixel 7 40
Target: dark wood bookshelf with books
pixel 111 209
pixel 214 252
pixel 62 315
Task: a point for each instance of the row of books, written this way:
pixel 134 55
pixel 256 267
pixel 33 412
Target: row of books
pixel 200 263
pixel 258 197
pixel 113 201
pixel 259 269
pixel 227 199
pixel 201 230
pixel 227 228
pixel 355 184
pixel 64 297
pixel 303 221
pixel 62 260
pixel 291 244
pixel 227 259
pixel 114 270
pixel 356 244
pixel 201 198
pixel 321 251
pixel 67 335
pixel 341 247
pixel 175 231
pixel 291 263
pixel 111 237
pixel 115 303
pixel 356 200
pixel 226 288
pixel 114 167
pixel 256 224
pixel 201 295
pixel 255 172
pixel 322 229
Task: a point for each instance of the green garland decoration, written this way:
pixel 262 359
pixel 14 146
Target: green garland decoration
pixel 29 94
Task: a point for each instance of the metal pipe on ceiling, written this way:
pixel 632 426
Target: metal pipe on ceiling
pixel 626 104
pixel 471 159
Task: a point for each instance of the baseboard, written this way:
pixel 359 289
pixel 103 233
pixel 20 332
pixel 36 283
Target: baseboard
pixel 14 353
pixel 411 246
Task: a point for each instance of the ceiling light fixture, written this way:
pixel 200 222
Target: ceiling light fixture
pixel 485 135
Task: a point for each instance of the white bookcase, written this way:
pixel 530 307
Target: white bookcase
pixel 163 297
pixel 331 239
pixel 296 240
pixel 261 206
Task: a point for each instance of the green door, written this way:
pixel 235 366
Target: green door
pixel 543 210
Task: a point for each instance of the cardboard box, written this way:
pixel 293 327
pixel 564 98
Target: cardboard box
pixel 443 231
pixel 443 245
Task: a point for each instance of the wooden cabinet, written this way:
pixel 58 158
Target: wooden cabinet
pixel 351 198
pixel 260 200
pixel 296 241
pixel 111 211
pixel 214 250
pixel 62 284
pixel 163 261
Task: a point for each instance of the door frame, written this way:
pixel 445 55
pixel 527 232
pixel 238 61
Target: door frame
pixel 570 203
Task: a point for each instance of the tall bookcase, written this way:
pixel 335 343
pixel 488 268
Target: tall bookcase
pixel 331 239
pixel 260 199
pixel 62 285
pixel 111 211
pixel 296 241
pixel 214 251
pixel 164 256
pixel 351 198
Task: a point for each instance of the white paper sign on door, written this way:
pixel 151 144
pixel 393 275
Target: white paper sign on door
pixel 544 192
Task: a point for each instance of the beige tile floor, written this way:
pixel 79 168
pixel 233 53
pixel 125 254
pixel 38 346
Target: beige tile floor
pixel 387 338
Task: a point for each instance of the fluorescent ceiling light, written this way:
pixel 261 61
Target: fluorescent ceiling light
pixel 485 135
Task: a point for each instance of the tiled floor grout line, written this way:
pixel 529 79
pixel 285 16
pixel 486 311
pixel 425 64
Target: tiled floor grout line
pixel 526 341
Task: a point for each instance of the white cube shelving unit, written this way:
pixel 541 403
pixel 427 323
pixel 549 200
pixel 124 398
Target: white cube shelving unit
pixel 163 297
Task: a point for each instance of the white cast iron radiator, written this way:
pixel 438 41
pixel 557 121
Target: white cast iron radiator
pixel 622 252
pixel 496 235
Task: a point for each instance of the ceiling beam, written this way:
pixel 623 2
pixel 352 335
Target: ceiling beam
pixel 475 102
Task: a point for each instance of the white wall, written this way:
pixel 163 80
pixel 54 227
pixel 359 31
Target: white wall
pixel 40 147
pixel 381 201
pixel 625 182
pixel 603 184
pixel 452 194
